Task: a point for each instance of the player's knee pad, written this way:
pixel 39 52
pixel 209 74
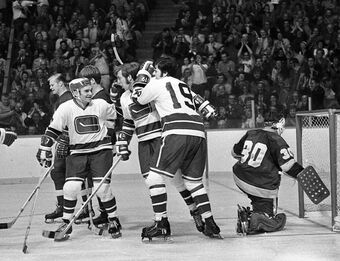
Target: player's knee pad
pixel 178 182
pixel 155 183
pixel 260 223
pixel 194 186
pixel 72 189
pixel 104 192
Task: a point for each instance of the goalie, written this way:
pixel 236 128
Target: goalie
pixel 262 155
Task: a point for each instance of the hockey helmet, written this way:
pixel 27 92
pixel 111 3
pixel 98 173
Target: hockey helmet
pixel 278 125
pixel 77 84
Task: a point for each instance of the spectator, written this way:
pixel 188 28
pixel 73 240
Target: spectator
pixel 234 112
pixel 36 121
pixel 212 46
pixel 199 78
pixel 180 49
pixel 226 66
pixel 248 121
pixel 99 59
pixel 290 118
pixel 187 77
pixel 162 44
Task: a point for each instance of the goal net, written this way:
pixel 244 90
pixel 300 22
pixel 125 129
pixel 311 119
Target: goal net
pixel 318 145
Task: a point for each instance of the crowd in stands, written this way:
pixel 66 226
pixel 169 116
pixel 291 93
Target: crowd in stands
pixel 61 36
pixel 282 56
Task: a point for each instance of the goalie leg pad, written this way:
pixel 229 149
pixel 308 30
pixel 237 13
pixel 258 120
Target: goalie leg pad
pixel 312 185
pixel 260 223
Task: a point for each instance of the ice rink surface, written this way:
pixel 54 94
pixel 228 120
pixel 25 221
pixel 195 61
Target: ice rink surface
pixel 302 239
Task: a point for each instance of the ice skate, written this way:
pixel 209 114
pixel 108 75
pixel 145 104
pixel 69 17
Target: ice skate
pixel 198 220
pixel 57 213
pixel 102 220
pixel 243 214
pixel 211 229
pixel 84 216
pixel 114 227
pixel 160 229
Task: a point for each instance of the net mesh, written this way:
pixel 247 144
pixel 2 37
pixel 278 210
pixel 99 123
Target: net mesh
pixel 316 152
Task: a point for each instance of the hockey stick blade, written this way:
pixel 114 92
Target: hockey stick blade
pixel 24 249
pixel 6 225
pixel 60 236
pixel 48 234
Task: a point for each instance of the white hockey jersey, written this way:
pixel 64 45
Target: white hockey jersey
pixel 145 117
pixel 87 127
pixel 174 103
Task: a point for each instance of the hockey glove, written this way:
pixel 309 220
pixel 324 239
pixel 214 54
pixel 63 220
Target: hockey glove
pixel 204 107
pixel 114 93
pixel 63 146
pixel 122 146
pixel 7 137
pixel 44 154
pixel 137 91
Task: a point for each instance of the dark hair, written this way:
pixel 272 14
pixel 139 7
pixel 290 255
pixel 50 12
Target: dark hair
pixel 167 65
pixel 129 69
pixel 91 72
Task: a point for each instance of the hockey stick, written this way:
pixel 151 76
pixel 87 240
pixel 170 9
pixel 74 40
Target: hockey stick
pixel 10 224
pixel 62 236
pixel 115 49
pixel 24 248
pixel 91 226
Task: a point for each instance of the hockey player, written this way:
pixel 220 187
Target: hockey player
pixel 59 87
pixel 7 137
pixel 183 146
pixel 145 120
pixel 92 73
pixel 262 154
pixel 90 149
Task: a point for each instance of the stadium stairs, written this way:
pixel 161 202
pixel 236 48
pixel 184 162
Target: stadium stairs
pixel 163 15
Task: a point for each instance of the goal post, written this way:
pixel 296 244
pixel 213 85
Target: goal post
pixel 318 145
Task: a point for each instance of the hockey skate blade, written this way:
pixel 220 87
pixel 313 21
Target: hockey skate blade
pixel 48 234
pixel 53 221
pixel 116 235
pixel 158 240
pixel 216 236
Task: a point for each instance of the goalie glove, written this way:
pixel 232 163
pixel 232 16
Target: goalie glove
pixel 44 154
pixel 122 146
pixel 7 137
pixel 63 146
pixel 204 107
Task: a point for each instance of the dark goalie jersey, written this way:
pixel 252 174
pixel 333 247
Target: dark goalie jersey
pixel 263 152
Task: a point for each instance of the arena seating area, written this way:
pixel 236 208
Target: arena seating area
pixel 283 55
